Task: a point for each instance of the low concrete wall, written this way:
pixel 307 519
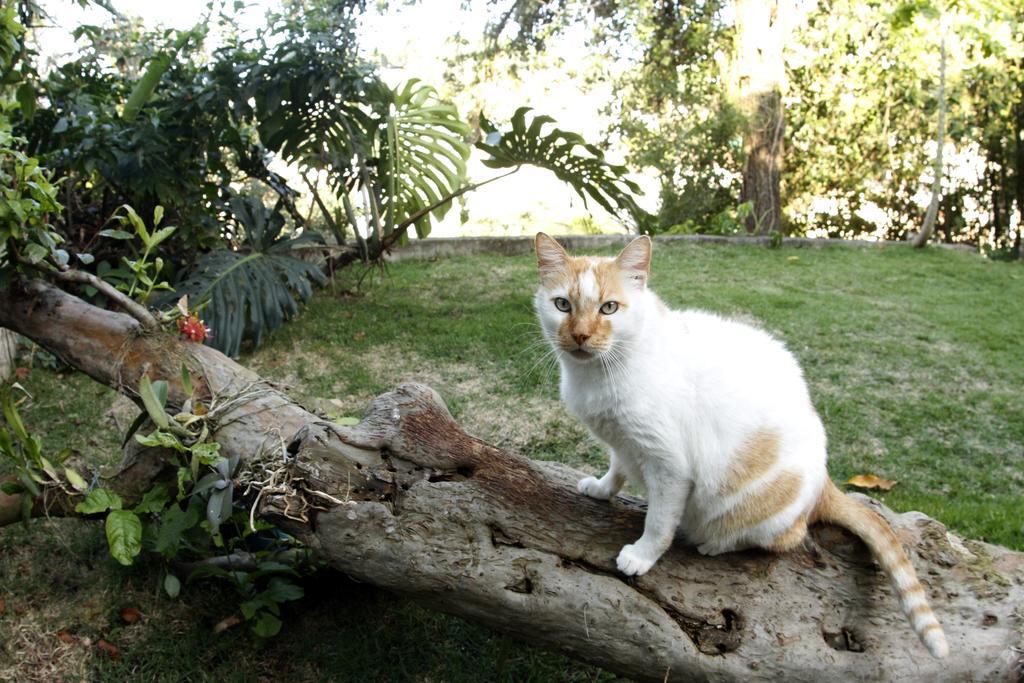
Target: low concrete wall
pixel 516 246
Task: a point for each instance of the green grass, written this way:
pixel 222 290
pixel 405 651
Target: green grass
pixel 915 361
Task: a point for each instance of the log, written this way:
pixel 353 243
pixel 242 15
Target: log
pixel 409 502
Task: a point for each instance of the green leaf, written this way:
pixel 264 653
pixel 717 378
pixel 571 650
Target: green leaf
pixel 10 411
pixel 12 488
pixel 75 479
pixel 152 404
pixel 154 500
pixel 158 215
pixel 186 380
pixel 267 625
pixel 160 439
pixel 99 500
pixel 207 453
pixel 172 585
pixel 173 525
pixel 116 234
pixel 124 535
pixel 282 590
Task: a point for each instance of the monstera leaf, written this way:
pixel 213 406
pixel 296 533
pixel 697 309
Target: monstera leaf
pixel 248 292
pixel 424 157
pixel 532 140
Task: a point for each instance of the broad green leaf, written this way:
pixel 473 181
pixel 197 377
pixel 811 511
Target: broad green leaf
pixel 154 500
pixel 124 535
pixel 267 625
pixel 173 524
pixel 99 500
pixel 158 215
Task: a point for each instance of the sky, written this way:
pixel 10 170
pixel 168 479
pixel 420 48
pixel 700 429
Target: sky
pixel 410 41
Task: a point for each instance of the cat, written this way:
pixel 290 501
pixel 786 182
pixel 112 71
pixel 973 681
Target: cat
pixel 711 417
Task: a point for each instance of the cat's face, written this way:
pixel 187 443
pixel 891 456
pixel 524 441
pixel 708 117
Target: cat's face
pixel 588 306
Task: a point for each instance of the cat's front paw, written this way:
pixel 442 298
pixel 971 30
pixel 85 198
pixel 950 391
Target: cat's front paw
pixel 591 486
pixel 632 562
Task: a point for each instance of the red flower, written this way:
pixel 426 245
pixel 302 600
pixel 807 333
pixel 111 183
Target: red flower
pixel 193 328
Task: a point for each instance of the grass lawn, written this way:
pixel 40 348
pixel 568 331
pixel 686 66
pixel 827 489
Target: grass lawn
pixel 915 361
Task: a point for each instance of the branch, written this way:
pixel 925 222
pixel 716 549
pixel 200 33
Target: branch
pixel 126 303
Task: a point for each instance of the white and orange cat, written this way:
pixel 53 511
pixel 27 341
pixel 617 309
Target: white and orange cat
pixel 710 416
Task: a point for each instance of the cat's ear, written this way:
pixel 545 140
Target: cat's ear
pixel 635 260
pixel 551 258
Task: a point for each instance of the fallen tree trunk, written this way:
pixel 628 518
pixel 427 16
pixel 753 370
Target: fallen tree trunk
pixel 409 502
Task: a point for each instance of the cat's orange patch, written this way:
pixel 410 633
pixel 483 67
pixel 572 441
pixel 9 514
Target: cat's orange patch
pixel 791 537
pixel 753 460
pixel 758 505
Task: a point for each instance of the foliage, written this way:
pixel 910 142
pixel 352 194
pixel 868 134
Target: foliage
pixel 141 276
pixel 199 519
pixel 568 156
pixel 859 109
pixel 251 290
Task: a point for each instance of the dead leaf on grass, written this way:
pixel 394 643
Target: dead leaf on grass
pixel 359 336
pixel 870 481
pixel 225 624
pixel 3 606
pixel 65 637
pixel 112 650
pixel 130 615
pixel 22 373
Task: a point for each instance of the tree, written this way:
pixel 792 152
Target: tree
pixel 407 501
pixel 763 30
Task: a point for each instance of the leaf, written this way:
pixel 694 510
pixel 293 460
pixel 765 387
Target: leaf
pixel 130 615
pixel 267 625
pixel 152 404
pixel 99 500
pixel 124 535
pixel 207 453
pixel 116 234
pixel 568 156
pixel 186 380
pixel 282 590
pixel 226 623
pixel 154 500
pixel 12 488
pixel 111 650
pixel 76 480
pixel 174 523
pixel 172 585
pixel 347 421
pixel 870 481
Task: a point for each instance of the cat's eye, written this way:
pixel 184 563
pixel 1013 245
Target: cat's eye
pixel 562 304
pixel 609 307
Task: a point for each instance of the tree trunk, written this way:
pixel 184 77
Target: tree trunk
pixel 928 227
pixel 407 501
pixel 762 29
pixel 8 349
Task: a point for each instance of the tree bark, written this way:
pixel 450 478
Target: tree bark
pixel 928 227
pixel 8 348
pixel 407 501
pixel 762 29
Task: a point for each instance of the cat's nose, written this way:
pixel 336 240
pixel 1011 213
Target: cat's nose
pixel 580 338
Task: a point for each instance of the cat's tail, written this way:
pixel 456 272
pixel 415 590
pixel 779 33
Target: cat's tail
pixel 835 506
